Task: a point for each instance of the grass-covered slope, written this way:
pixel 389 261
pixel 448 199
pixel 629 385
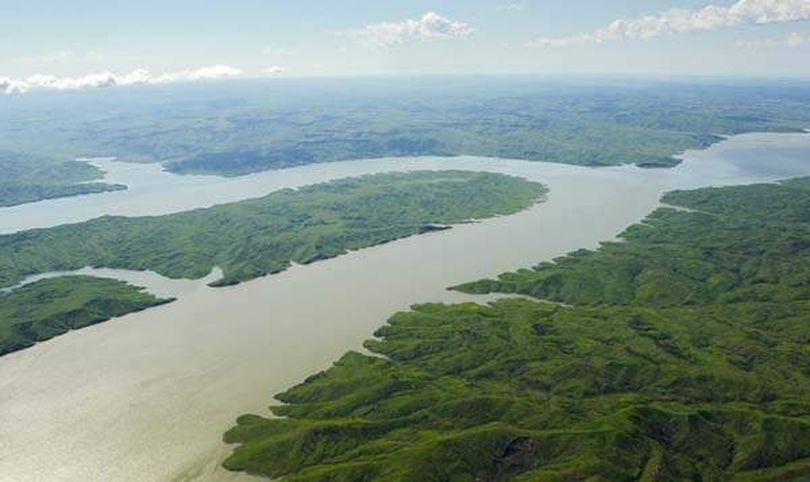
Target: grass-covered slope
pixel 252 238
pixel 697 369
pixel 576 123
pixel 29 178
pixel 748 243
pixel 51 307
pixel 257 125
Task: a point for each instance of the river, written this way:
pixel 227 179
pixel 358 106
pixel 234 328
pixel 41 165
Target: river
pixel 147 396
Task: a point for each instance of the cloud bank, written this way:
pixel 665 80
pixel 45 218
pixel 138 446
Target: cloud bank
pixel 109 79
pixel 429 26
pixel 680 21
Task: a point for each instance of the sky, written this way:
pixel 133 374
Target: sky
pixel 56 44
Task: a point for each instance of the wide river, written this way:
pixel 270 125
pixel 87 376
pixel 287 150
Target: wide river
pixel 147 396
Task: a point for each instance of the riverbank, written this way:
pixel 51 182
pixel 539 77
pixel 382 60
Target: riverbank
pixel 161 386
pixel 249 239
pixel 680 353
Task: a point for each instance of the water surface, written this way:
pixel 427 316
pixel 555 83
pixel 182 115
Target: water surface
pixel 154 283
pixel 147 396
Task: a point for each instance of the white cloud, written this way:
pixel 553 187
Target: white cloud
pixel 100 79
pixel 11 86
pixel 203 73
pixel 274 70
pixel 428 26
pixel 680 21
pixel 794 39
pixel 109 79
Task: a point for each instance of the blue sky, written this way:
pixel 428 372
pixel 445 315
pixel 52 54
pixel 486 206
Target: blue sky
pixel 175 38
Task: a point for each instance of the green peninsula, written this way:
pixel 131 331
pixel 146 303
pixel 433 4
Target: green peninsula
pixel 680 353
pixel 51 307
pixel 32 178
pixel 252 238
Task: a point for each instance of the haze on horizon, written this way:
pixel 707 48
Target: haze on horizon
pixel 100 44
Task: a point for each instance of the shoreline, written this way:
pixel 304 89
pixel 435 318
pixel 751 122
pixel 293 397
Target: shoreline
pixel 195 364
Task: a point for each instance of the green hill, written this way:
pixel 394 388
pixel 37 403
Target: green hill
pixel 51 307
pixel 681 353
pixel 28 178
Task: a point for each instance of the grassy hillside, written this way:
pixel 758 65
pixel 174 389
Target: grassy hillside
pixel 737 244
pixel 51 307
pixel 28 179
pixel 253 238
pixel 254 126
pixel 680 354
pixel 571 123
